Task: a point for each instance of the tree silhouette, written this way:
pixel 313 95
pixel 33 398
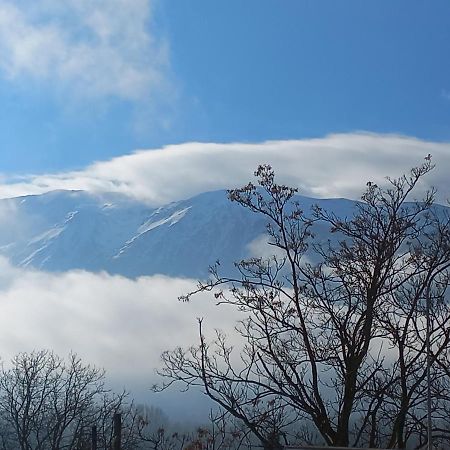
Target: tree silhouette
pixel 334 330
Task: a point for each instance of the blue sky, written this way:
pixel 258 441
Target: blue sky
pixel 207 71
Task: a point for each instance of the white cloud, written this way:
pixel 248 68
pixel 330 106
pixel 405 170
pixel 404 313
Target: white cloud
pixel 261 248
pixel 93 47
pixel 334 166
pixel 111 321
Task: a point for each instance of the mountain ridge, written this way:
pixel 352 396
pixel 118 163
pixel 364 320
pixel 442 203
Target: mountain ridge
pixel 65 230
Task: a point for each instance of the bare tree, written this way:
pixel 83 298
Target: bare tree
pixel 338 343
pixel 49 403
pixel 105 409
pixel 222 432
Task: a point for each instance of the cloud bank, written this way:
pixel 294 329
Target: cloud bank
pixel 334 166
pixel 93 47
pixel 113 322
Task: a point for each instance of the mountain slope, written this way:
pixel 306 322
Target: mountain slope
pixel 65 230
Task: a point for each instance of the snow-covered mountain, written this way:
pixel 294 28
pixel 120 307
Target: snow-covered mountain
pixel 65 230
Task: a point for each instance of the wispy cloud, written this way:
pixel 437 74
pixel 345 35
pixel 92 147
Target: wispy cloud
pixel 334 166
pixel 91 47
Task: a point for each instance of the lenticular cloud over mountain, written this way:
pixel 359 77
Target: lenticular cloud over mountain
pixel 335 166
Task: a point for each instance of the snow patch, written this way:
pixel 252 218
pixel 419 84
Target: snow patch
pixel 151 224
pixel 172 220
pixel 70 215
pixel 47 236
